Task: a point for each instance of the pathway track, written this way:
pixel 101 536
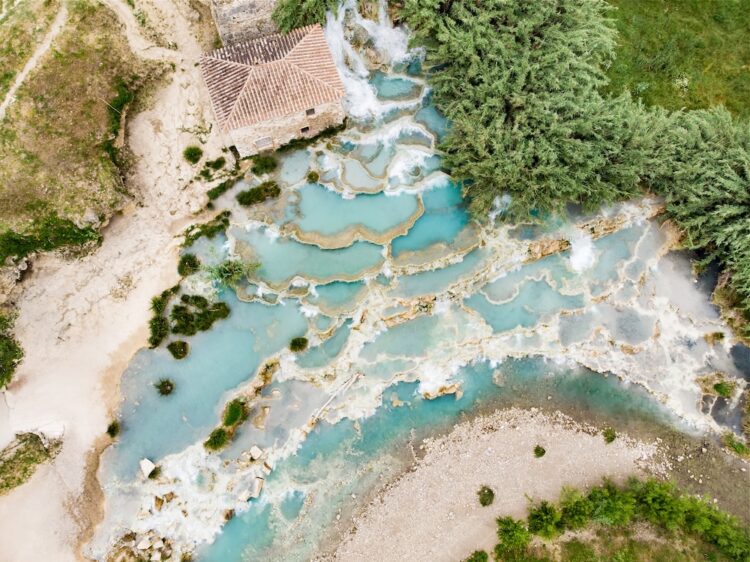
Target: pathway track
pixel 41 50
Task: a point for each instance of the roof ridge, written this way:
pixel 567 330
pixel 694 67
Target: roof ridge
pixel 239 95
pixel 330 89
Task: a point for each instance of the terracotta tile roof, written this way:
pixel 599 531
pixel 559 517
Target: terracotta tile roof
pixel 271 77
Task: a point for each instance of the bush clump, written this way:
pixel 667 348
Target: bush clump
pixel 217 225
pixel 513 539
pixel 155 473
pixel 159 325
pixel 179 349
pixel 263 164
pixel 235 413
pixel 478 556
pixel 231 271
pixel 298 344
pixel 258 194
pixel 539 451
pixel 113 429
pixel 486 496
pixel 196 314
pixel 221 189
pixel 544 520
pixel 217 164
pixel 218 439
pixel 313 177
pixel 45 234
pixel 193 154
pixel 165 387
pixel 609 434
pixel 724 389
pixel 188 264
pixel 10 352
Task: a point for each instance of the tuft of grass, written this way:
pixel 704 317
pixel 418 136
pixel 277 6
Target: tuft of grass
pixel 263 164
pixel 539 451
pixel 259 194
pixel 193 154
pixel 10 351
pixel 165 387
pixel 221 189
pixel 188 264
pixel 478 556
pixel 44 234
pixel 209 229
pixel 217 164
pixel 486 496
pixel 298 344
pixel 235 413
pixel 313 177
pixel 20 459
pixel 179 349
pixel 231 271
pixel 732 442
pixel 725 389
pixel 609 434
pixel 217 440
pixel 113 429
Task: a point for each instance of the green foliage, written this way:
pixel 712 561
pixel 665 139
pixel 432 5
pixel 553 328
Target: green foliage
pixel 544 520
pixel 478 556
pixel 575 510
pixel 115 109
pixel 303 142
pixel 298 344
pixel 209 229
pixel 46 234
pixel 188 264
pixel 724 389
pixel 313 177
pixel 217 440
pixel 611 505
pixel 486 496
pixel 231 271
pixel 159 325
pixel 258 194
pixel 658 503
pixel 155 473
pixel 263 164
pixel 539 451
pixel 221 189
pixel 291 14
pixel 179 349
pixel 217 164
pixel 10 352
pixel 113 429
pixel 731 441
pixel 513 537
pixel 519 82
pixel 165 387
pixel 20 459
pixel 609 434
pixel 196 314
pixel 193 154
pixel 235 413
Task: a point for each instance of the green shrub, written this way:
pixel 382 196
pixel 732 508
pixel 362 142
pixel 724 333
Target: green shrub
pixel 231 271
pixel 731 441
pixel 659 503
pixel 217 225
pixel 159 329
pixel 724 389
pixel 576 510
pixel 155 473
pixel 259 194
pixel 313 177
pixel 20 459
pixel 45 234
pixel 486 496
pixel 539 451
pixel 235 412
pixel 10 352
pixel 609 434
pixel 303 142
pixel 221 189
pixel 165 387
pixel 217 164
pixel 193 154
pixel 217 440
pixel 298 344
pixel 513 537
pixel 478 556
pixel 544 520
pixel 610 505
pixel 113 429
pixel 291 14
pixel 263 164
pixel 188 264
pixel 179 349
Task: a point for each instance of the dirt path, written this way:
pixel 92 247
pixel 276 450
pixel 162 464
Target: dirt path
pixel 80 322
pixel 41 50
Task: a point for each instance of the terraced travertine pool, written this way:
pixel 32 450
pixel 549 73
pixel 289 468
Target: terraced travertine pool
pixel 416 315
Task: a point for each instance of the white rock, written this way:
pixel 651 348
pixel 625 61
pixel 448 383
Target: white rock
pixel 257 487
pixel 146 467
pixel 159 544
pixel 255 452
pixel 145 544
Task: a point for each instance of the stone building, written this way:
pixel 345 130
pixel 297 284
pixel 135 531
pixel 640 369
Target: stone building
pixel 242 20
pixel 268 91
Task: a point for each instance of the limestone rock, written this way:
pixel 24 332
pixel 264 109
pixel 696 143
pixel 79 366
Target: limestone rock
pixel 146 467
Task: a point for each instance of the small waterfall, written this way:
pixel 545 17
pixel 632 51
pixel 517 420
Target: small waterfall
pixel 582 255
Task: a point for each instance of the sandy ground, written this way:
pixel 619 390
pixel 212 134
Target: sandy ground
pixel 80 322
pixel 432 513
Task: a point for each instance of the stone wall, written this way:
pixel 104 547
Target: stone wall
pixel 242 20
pixel 282 130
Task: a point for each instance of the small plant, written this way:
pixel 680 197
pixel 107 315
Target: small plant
pixel 544 520
pixel 313 177
pixel 179 349
pixel 724 389
pixel 217 440
pixel 235 412
pixel 164 386
pixel 113 429
pixel 263 164
pixel 218 224
pixel 609 434
pixel 232 271
pixel 259 194
pixel 217 164
pixel 731 441
pixel 188 264
pixel 486 496
pixel 478 556
pixel 155 473
pixel 513 537
pixel 221 189
pixel 713 337
pixel 539 451
pixel 193 154
pixel 298 344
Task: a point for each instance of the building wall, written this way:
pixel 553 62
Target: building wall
pixel 282 130
pixel 242 20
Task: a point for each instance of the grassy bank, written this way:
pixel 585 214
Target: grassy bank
pixel 61 139
pixel 20 459
pixel 683 53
